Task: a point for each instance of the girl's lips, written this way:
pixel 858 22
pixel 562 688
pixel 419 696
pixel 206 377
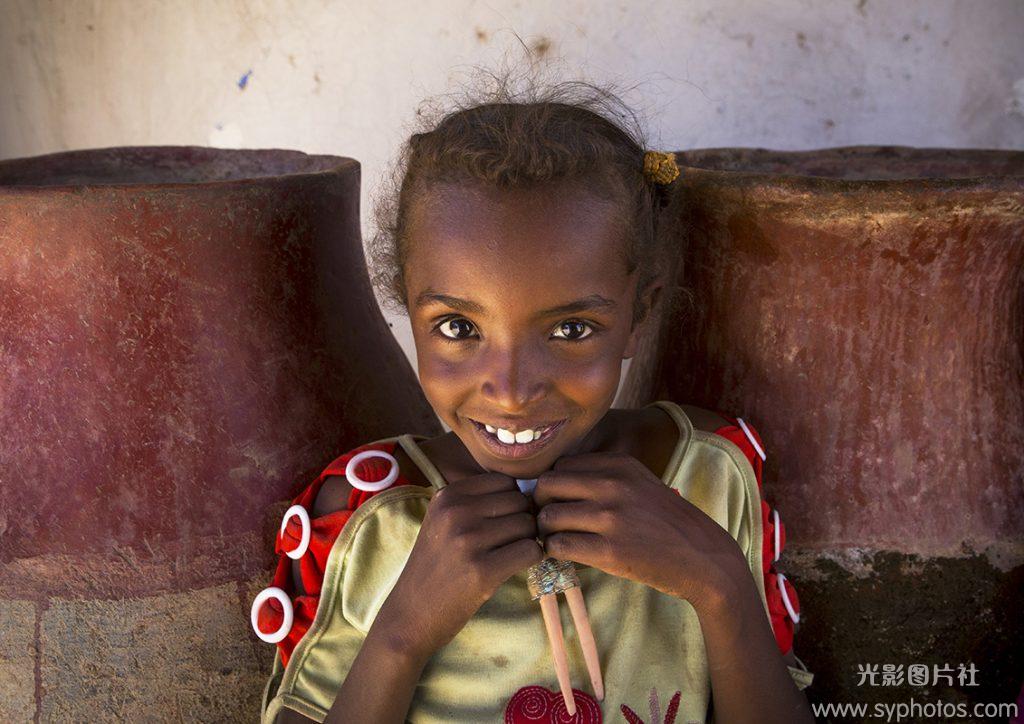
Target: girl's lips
pixel 516 451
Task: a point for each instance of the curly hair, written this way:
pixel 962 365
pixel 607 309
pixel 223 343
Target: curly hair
pixel 572 131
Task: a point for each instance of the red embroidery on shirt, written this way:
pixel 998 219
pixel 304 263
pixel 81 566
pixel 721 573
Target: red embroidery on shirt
pixel 670 715
pixel 538 705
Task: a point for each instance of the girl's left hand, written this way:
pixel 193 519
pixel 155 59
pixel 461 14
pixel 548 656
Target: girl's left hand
pixel 608 511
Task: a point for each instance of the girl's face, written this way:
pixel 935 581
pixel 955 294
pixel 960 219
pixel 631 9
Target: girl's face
pixel 520 308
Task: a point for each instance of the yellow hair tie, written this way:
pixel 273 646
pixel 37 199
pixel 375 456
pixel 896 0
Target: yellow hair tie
pixel 660 167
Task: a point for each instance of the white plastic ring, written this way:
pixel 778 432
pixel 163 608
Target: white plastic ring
pixel 306 530
pixel 356 482
pixel 775 526
pixel 286 605
pixel 746 431
pixel 785 599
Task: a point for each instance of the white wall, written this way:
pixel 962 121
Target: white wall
pixel 345 77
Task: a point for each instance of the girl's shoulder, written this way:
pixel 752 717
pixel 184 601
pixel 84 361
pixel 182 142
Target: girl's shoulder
pixel 285 610
pixel 654 433
pixel 781 598
pixel 716 422
pixel 706 420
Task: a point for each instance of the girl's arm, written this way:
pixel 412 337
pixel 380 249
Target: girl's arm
pixel 385 664
pixel 749 680
pixel 423 614
pixel 383 677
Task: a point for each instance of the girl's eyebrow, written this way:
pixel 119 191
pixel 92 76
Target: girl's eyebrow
pixel 588 303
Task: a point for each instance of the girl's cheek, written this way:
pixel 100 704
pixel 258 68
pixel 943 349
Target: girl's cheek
pixel 446 370
pixel 440 374
pixel 444 376
pixel 596 385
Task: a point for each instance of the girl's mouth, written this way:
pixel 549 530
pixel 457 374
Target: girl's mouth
pixel 516 450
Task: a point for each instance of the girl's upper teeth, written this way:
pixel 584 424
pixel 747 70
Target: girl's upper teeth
pixel 508 437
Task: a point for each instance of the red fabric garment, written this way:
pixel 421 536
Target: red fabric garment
pixel 782 622
pixel 325 530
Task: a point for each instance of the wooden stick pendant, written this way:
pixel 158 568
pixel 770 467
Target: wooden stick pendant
pixel 545 580
pixel 581 620
pixel 553 624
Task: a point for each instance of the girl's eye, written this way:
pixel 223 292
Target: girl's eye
pixel 458 329
pixel 457 323
pixel 574 324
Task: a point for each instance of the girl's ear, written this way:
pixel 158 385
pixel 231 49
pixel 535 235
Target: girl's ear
pixel 648 302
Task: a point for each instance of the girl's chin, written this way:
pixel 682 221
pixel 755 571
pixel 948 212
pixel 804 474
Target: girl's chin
pixel 523 469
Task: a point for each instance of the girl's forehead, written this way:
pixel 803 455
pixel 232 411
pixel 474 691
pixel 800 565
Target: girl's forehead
pixel 525 239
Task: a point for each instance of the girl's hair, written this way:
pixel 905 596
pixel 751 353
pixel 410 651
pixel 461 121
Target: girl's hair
pixel 570 132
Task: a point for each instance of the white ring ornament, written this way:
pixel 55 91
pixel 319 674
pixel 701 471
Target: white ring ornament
pixel 307 530
pixel 746 431
pixel 356 482
pixel 286 605
pixel 775 528
pixel 785 599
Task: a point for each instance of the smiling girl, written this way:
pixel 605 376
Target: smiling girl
pixel 528 242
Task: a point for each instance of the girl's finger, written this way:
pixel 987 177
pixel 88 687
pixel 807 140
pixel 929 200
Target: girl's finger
pixel 515 557
pixel 582 516
pixel 594 461
pixel 508 528
pixel 486 483
pixel 555 485
pixel 589 549
pixel 496 505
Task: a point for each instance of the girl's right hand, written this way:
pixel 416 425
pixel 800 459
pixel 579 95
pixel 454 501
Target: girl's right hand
pixel 477 533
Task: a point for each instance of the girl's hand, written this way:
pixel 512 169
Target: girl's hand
pixel 477 533
pixel 607 510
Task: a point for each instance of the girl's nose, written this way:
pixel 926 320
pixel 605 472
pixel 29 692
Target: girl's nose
pixel 513 380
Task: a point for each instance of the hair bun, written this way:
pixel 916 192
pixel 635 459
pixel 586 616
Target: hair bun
pixel 660 167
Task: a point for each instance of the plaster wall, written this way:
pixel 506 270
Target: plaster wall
pixel 345 77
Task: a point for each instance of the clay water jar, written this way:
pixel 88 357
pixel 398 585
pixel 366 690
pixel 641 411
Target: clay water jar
pixel 187 338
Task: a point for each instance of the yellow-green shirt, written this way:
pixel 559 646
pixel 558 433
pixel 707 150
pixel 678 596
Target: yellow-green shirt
pixel 645 639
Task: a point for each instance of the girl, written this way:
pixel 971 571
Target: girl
pixel 526 244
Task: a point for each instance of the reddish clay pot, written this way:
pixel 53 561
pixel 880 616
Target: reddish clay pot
pixel 870 329
pixel 863 308
pixel 187 337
